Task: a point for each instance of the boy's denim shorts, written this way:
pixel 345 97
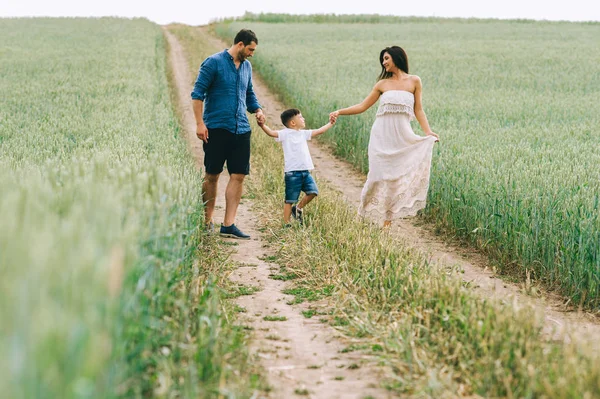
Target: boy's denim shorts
pixel 296 181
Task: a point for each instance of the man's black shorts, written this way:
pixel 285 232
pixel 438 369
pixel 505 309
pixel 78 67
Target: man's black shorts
pixel 224 146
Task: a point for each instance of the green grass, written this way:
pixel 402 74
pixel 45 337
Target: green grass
pixel 283 276
pixel 302 294
pixel 515 104
pixel 105 280
pixel 240 290
pixel 274 318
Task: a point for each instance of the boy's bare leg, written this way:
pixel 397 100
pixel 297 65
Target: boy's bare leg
pixel 305 200
pixel 209 195
pixel 233 195
pixel 287 212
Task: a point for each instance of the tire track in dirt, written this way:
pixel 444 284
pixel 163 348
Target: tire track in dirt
pixel 302 356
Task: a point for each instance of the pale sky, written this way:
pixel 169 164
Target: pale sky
pixel 201 12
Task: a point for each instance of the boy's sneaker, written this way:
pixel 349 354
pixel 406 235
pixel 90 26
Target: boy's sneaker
pixel 297 213
pixel 233 232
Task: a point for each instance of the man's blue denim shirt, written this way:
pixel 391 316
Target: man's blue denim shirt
pixel 227 93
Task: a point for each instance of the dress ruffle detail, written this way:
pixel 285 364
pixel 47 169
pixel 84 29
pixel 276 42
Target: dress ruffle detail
pixel 388 108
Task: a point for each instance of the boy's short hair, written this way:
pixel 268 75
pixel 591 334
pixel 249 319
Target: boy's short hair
pixel 288 114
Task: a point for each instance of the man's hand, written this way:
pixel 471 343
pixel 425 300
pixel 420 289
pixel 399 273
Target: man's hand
pixel 260 117
pixel 202 132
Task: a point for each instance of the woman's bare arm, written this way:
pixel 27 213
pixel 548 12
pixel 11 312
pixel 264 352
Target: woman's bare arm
pixel 363 106
pixel 419 112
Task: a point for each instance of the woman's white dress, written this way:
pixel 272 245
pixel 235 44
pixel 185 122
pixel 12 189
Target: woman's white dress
pixel 399 161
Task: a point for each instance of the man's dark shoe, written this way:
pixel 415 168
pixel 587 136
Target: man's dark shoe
pixel 297 213
pixel 233 232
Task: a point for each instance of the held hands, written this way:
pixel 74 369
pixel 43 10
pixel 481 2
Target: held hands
pixel 260 117
pixel 332 118
pixel 334 115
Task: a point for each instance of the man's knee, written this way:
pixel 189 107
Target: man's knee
pixel 237 177
pixel 211 178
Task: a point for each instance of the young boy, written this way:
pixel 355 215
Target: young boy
pixel 297 160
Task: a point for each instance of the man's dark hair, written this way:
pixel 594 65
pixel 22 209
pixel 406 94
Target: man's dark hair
pixel 288 114
pixel 246 36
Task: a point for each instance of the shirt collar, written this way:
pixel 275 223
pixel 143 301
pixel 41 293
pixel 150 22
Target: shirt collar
pixel 226 54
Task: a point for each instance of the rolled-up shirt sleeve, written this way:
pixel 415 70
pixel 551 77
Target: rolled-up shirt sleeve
pixel 206 75
pixel 252 104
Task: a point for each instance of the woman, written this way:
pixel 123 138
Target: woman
pixel 399 160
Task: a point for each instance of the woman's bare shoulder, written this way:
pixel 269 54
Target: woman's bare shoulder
pixel 380 86
pixel 415 79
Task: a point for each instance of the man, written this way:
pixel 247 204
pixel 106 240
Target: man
pixel 222 94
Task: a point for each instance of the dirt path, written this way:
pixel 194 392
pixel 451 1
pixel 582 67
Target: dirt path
pixel 302 356
pixel 561 323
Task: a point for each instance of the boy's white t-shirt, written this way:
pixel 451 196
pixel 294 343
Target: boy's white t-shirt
pixel 295 149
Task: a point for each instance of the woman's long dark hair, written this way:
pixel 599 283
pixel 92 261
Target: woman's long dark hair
pixel 400 59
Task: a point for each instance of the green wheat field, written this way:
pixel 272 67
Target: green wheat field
pixel 109 289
